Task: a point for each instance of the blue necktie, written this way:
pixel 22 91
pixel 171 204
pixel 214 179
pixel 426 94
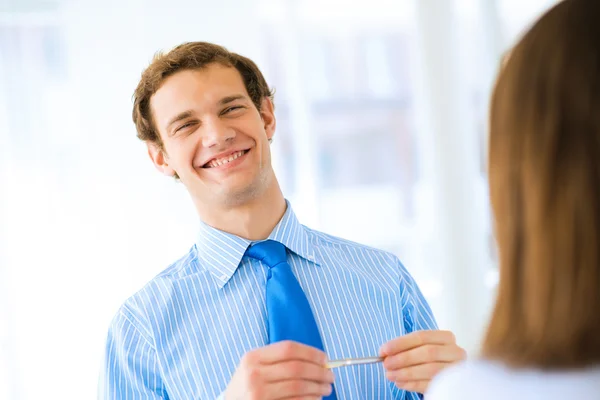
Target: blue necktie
pixel 288 311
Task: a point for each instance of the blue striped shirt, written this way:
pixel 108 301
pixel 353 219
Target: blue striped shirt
pixel 183 334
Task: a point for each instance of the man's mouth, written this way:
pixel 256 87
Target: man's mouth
pixel 217 162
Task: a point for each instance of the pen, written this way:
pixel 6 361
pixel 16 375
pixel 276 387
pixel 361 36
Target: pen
pixel 352 361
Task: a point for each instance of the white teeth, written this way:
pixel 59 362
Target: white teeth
pixel 225 160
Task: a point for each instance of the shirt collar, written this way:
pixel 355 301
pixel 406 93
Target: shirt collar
pixel 221 252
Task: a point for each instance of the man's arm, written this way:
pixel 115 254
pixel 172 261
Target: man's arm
pixel 131 368
pixel 412 360
pixel 281 370
pixel 416 312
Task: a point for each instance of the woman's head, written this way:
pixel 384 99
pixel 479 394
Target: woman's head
pixel 544 174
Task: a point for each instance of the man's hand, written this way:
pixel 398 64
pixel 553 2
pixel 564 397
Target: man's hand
pixel 281 370
pixel 411 361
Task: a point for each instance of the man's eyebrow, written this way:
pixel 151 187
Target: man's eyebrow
pixel 230 99
pixel 181 116
pixel 188 113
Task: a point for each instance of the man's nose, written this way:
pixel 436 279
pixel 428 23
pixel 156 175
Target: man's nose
pixel 216 133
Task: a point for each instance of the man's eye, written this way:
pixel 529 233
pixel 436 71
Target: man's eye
pixel 184 126
pixel 230 109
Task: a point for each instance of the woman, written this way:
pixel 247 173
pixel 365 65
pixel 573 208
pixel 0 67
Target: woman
pixel 543 341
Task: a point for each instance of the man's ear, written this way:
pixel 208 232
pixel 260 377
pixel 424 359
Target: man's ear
pixel 267 113
pixel 159 159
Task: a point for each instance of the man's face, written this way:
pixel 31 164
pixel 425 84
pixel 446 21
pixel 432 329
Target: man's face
pixel 214 138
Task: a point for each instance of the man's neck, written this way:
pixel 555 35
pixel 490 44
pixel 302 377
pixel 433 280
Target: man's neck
pixel 254 220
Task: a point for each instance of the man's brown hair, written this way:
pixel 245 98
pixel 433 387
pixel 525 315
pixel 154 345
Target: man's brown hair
pixel 544 176
pixel 190 56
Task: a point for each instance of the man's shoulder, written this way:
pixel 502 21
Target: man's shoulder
pixel 162 283
pixel 183 266
pixel 330 242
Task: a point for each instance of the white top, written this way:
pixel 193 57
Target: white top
pixel 478 380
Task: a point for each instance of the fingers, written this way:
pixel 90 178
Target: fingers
pixel 416 339
pixel 414 386
pixel 294 389
pixel 294 370
pixel 305 398
pixel 411 361
pixel 424 354
pixel 423 372
pixel 287 350
pixel 284 370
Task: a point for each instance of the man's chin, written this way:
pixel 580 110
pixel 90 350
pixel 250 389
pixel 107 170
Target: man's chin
pixel 227 198
pixel 229 193
pixel 239 198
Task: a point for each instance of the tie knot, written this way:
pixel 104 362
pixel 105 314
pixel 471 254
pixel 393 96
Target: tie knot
pixel 269 252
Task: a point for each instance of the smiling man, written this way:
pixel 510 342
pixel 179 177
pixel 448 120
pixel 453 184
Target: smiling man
pixel 260 302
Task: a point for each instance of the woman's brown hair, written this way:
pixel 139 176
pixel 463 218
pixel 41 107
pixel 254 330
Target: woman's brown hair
pixel 544 176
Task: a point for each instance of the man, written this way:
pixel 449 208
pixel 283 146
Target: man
pixel 260 302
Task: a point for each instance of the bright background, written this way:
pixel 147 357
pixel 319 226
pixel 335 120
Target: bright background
pixel 381 139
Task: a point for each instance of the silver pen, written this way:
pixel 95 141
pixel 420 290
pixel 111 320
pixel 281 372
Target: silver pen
pixel 352 361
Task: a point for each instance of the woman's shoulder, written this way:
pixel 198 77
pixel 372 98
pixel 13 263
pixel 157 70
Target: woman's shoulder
pixel 464 380
pixel 478 379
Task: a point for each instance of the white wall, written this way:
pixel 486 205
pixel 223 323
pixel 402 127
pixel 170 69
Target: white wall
pixel 85 220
